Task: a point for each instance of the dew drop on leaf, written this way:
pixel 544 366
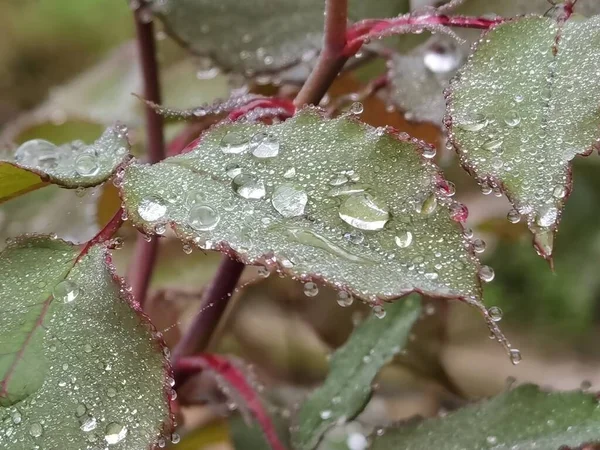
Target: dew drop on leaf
pixel 547 216
pixel 403 239
pixel 80 410
pixel 36 429
pixel 289 173
pixel 429 152
pixel 379 311
pixel 364 212
pixel 88 424
pixel 38 153
pixel 234 143
pixel 495 313
pixel 289 200
pixel 356 108
pixel 66 291
pixel 325 414
pixel 478 246
pixel 152 209
pixel 86 165
pixel 493 144
pixel 486 273
pixel 203 218
pixel 559 192
pixel 175 438
pixel 264 145
pixel 115 433
pixel 512 119
pixel 310 289
pixel 428 205
pixel 194 197
pixel 344 299
pixel 442 58
pixel 16 418
pixel 248 186
pixel 476 122
pixel 513 216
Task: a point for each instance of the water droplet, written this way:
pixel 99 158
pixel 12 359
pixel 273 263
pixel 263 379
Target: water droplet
pixel 514 216
pixel 289 173
pixel 519 98
pixel 379 311
pixel 151 209
pixel 160 228
pixel 559 192
pixel 80 410
pixel 547 216
pixel 86 165
pixel 187 249
pixel 441 58
pixel 115 433
pixel 203 218
pixel 289 201
pixel 16 418
pixel 264 145
pixel 38 153
pixel 175 438
pixel 194 197
pixel 263 271
pixel 428 205
pixel 512 119
pixel 495 313
pixel 492 440
pixel 111 392
pixel 346 189
pixel 308 237
pixel 475 122
pixel 493 144
pixel 325 414
pixel 364 212
pixel 36 429
pixel 247 186
pixel 356 108
pixel 515 356
pixel 429 152
pixel 403 239
pixel 234 143
pixel 486 273
pixel 478 246
pixel 89 424
pixel 66 291
pixel 344 299
pixel 310 289
pixel 355 237
pixel 432 275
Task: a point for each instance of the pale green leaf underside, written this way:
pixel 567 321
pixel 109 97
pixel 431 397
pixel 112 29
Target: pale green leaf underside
pixel 67 367
pixel 315 156
pixel 520 419
pixel 352 370
pixel 257 36
pixel 520 114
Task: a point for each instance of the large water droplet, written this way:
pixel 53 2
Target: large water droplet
pixel 86 165
pixel 38 153
pixel 264 145
pixel 547 216
pixel 36 429
pixel 248 186
pixel 476 122
pixel 311 289
pixel 115 433
pixel 495 313
pixel 289 200
pixel 151 209
pixel 66 291
pixel 364 212
pixel 203 218
pixel 513 216
pixel 515 356
pixel 559 192
pixel 512 119
pixel 403 239
pixel 234 143
pixel 344 299
pixel 486 273
pixel 88 424
pixel 479 246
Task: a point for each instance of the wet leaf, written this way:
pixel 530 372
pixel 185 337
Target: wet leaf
pixel 520 419
pixel 258 36
pixel 38 162
pixel 73 350
pixel 518 125
pixel 334 200
pixel 353 367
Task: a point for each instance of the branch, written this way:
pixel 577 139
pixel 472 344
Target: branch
pixel 145 252
pixel 331 59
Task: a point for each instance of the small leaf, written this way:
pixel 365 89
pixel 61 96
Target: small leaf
pixel 520 419
pixel 257 36
pixel 80 365
pixel 352 370
pixel 38 162
pixel 518 113
pixel 335 200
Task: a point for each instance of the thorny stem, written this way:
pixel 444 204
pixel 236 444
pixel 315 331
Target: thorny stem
pixel 332 57
pixel 144 255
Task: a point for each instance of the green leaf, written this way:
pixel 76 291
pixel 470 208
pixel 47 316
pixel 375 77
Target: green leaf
pixel 37 162
pixel 258 36
pixel 520 419
pixel 335 200
pixel 518 114
pixel 80 366
pixel 352 370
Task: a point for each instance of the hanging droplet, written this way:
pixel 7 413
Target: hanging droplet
pixel 151 209
pixel 379 311
pixel 403 239
pixel 364 212
pixel 486 273
pixel 547 216
pixel 344 299
pixel 187 249
pixel 356 108
pixel 514 216
pixel 115 433
pixel 248 186
pixel 495 313
pixel 175 438
pixel 478 246
pixel 38 153
pixel 515 356
pixel 559 192
pixel 429 152
pixel 289 200
pixel 203 218
pixel 476 122
pixel 234 143
pixel 86 165
pixel 310 289
pixel 512 119
pixel 264 145
pixel 66 291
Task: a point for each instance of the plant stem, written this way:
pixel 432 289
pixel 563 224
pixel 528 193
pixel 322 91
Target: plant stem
pixel 332 57
pixel 105 233
pixel 212 306
pixel 144 255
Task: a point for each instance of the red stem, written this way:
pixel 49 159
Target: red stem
pixel 145 252
pixel 105 233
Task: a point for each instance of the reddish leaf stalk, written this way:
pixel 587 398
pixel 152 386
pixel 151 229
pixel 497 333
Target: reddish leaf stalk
pixel 105 233
pixel 235 378
pixel 145 252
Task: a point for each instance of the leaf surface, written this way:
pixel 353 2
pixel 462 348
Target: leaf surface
pixel 80 366
pixel 518 113
pixel 38 162
pixel 258 36
pixel 336 200
pixel 520 419
pixel 353 368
